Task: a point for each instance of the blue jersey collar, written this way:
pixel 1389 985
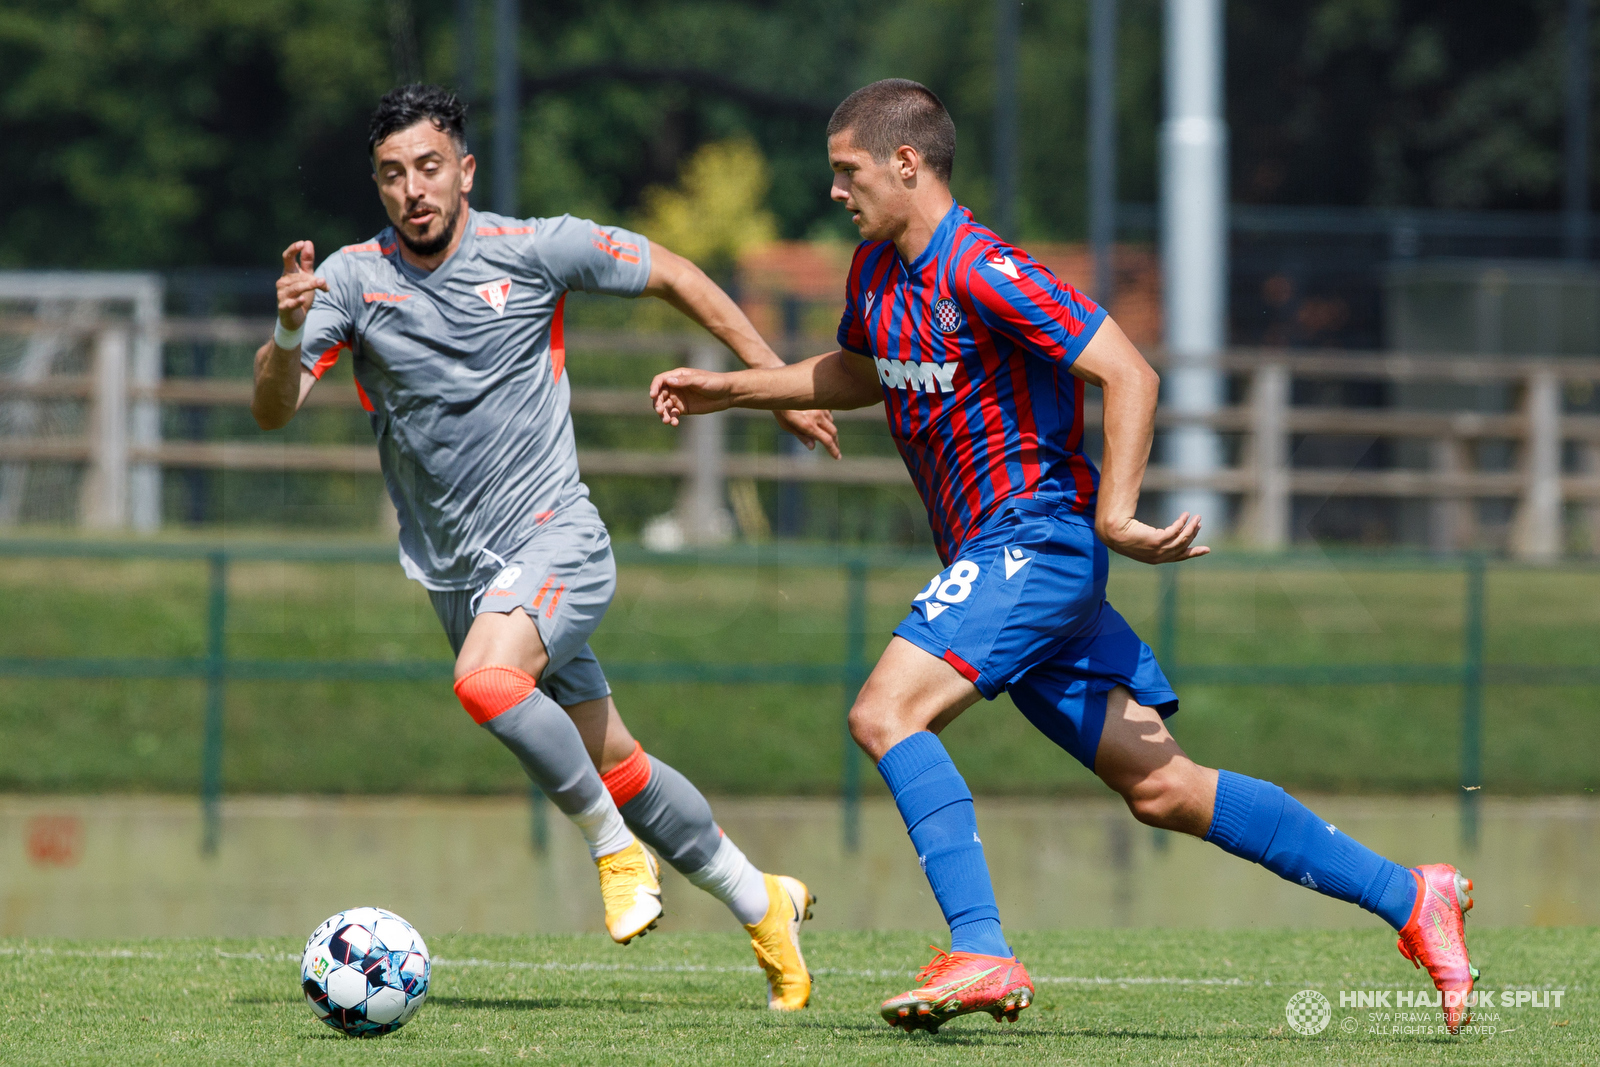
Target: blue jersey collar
pixel 941 237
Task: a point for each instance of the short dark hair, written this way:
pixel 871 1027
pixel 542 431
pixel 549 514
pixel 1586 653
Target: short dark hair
pixel 402 108
pixel 896 111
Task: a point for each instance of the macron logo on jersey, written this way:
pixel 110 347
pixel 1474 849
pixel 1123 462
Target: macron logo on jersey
pixel 496 294
pixel 927 377
pixel 1004 265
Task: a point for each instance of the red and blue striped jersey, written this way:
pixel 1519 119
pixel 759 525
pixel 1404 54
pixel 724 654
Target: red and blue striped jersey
pixel 973 342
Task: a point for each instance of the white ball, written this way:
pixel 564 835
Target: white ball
pixel 365 971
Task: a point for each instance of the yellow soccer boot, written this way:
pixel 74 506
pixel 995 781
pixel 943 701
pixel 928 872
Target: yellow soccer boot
pixel 776 939
pixel 630 883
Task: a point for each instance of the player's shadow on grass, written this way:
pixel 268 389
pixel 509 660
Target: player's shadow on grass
pixel 949 1035
pixel 544 1004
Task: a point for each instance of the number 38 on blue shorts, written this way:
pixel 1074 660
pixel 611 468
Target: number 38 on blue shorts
pixel 1023 610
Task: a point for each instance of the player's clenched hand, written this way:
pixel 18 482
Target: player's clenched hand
pixel 812 427
pixel 687 391
pixel 1147 544
pixel 297 288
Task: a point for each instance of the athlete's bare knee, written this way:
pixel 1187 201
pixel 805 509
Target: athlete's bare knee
pixel 1166 797
pixel 869 729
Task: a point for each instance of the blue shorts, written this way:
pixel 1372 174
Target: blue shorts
pixel 1023 610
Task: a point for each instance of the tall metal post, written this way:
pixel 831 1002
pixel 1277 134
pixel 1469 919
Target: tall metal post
pixel 702 509
pixel 216 681
pixel 539 821
pixel 1472 703
pixel 466 50
pixel 1103 144
pixel 1167 624
pixel 1008 27
pixel 1194 247
pixel 1576 201
pixel 506 161
pixel 855 672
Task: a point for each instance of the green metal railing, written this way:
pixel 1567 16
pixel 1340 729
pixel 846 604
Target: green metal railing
pixel 216 669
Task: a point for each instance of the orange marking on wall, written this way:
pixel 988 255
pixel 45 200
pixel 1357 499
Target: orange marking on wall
pixel 55 840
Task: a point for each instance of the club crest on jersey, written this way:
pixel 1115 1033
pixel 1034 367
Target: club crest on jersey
pixel 496 294
pixel 947 317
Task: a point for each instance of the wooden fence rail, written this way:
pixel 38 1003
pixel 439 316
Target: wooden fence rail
pixel 1267 424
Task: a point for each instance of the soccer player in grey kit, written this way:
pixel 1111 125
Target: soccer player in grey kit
pixel 453 320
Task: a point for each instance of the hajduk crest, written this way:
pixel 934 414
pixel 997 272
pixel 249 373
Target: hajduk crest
pixel 496 293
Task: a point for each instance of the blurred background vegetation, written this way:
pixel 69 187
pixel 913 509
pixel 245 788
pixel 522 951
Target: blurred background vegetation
pixel 184 133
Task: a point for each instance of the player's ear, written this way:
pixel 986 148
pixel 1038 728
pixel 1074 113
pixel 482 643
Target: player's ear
pixel 907 162
pixel 469 167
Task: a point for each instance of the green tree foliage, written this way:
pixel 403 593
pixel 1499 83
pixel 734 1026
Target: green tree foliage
pixel 155 133
pixel 1438 103
pixel 716 210
pixel 144 133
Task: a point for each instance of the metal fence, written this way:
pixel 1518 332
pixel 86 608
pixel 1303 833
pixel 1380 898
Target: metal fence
pixel 217 669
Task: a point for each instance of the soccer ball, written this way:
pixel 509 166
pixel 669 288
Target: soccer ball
pixel 365 972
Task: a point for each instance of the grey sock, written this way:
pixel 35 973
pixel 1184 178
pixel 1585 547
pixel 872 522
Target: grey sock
pixel 545 739
pixel 671 816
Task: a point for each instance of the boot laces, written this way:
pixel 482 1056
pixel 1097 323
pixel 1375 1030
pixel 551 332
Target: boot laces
pixel 942 964
pixel 627 869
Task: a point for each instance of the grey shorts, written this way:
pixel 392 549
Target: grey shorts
pixel 564 578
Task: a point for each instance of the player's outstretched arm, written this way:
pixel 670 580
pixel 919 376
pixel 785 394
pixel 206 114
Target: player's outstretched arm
pixel 836 380
pixel 281 381
pixel 686 287
pixel 1130 386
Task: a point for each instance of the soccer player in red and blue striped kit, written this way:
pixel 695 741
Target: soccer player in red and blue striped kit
pixel 980 356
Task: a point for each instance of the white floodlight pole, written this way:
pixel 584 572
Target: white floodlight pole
pixel 1194 253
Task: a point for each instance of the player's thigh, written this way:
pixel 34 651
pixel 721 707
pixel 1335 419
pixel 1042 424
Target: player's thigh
pixel 540 609
pixel 507 640
pixel 909 690
pixel 1019 589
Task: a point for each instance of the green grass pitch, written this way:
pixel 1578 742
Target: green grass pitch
pixel 1129 996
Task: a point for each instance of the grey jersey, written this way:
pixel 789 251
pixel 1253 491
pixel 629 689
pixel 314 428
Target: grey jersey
pixel 461 372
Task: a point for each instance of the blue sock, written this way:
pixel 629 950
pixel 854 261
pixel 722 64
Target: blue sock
pixel 1257 821
pixel 937 807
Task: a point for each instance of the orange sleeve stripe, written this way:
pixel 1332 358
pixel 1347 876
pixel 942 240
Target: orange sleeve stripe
pixel 558 340
pixel 627 779
pixel 370 246
pixel 504 231
pixel 361 395
pixel 328 359
pixel 615 251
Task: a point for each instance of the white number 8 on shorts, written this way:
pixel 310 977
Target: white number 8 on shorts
pixel 507 578
pixel 954 589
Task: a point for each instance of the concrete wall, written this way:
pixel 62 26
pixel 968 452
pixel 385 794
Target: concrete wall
pixel 99 867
